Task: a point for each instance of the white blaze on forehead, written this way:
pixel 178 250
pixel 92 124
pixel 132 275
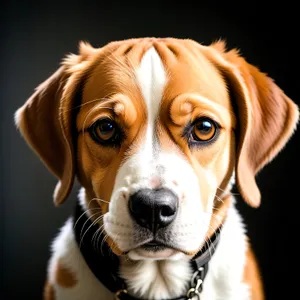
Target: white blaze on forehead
pixel 151 78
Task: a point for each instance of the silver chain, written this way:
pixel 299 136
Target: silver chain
pixel 196 283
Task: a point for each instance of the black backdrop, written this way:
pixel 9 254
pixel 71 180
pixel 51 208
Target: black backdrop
pixel 34 38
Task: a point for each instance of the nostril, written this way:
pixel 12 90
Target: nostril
pixel 167 211
pixel 137 207
pixel 140 208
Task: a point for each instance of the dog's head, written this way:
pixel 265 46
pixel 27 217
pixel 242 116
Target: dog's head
pixel 156 131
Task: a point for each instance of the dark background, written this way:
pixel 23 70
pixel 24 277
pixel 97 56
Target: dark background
pixel 36 36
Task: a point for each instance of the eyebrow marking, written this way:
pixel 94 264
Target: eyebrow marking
pixel 184 105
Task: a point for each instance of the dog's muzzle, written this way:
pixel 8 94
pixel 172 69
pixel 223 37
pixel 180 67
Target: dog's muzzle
pixel 153 209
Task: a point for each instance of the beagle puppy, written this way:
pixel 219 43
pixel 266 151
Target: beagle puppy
pixel 156 131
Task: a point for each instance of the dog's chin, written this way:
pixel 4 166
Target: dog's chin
pixel 155 253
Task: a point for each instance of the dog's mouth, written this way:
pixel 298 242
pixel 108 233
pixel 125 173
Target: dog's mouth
pixel 155 250
pixel 155 246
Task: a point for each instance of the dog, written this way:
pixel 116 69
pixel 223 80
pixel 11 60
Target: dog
pixel 156 131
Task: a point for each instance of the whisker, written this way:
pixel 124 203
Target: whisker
pixel 91 101
pixel 217 217
pixel 93 240
pixel 84 214
pixel 219 199
pixel 101 231
pixel 81 240
pixel 97 199
pixel 89 218
pixel 207 244
pixel 111 253
pixel 103 241
pixel 218 229
pixel 233 194
pixel 96 236
pixel 221 190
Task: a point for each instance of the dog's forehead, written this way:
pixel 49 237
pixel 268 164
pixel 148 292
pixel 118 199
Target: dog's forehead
pixel 186 70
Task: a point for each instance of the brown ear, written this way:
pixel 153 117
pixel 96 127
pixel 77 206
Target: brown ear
pixel 45 121
pixel 267 118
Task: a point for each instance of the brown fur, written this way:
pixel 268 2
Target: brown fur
pixel 49 293
pixel 64 276
pixel 252 275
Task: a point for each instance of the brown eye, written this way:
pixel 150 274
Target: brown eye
pixel 204 130
pixel 105 131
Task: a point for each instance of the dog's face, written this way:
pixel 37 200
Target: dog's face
pixel 156 145
pixel 155 130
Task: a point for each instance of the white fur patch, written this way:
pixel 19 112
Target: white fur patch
pixel 156 280
pixel 151 79
pixel 224 278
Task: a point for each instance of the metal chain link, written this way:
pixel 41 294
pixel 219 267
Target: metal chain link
pixel 196 283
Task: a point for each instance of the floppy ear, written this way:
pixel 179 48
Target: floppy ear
pixel 45 121
pixel 267 118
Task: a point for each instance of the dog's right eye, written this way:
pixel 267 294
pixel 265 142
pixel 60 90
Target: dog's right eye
pixel 105 132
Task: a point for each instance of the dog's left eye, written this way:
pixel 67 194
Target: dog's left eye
pixel 203 130
pixel 105 131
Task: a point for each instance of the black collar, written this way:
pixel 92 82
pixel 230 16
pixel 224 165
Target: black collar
pixel 105 265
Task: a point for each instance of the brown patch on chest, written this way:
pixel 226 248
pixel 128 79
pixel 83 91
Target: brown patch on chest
pixel 64 276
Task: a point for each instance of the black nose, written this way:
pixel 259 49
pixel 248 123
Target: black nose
pixel 153 209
